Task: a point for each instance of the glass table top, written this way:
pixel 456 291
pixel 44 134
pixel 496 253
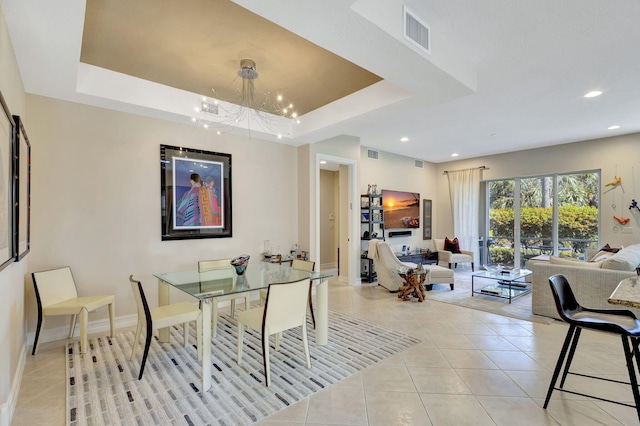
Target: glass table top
pixel 218 282
pixel 510 275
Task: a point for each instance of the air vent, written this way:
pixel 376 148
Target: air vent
pixel 416 31
pixel 209 108
pixel 419 164
pixel 372 154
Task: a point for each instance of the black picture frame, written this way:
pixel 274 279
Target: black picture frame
pixel 7 125
pixel 426 219
pixel 21 190
pixel 190 209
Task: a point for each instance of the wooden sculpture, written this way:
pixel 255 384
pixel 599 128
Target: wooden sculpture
pixel 412 285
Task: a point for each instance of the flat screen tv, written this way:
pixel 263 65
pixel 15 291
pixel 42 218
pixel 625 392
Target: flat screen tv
pixel 401 209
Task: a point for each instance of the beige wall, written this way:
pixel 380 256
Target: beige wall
pixel 96 199
pixel 399 173
pixel 329 218
pixel 12 333
pixel 613 156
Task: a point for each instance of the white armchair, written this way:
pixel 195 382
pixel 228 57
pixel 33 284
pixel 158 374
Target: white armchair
pixel 465 256
pixel 385 262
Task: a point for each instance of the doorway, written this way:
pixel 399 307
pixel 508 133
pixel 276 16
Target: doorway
pixel 344 216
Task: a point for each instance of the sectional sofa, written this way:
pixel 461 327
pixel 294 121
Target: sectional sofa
pixel 592 282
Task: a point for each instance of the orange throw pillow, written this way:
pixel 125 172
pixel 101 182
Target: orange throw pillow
pixel 452 245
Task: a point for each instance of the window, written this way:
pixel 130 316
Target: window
pixel 551 214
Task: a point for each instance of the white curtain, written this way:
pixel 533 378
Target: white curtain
pixel 464 191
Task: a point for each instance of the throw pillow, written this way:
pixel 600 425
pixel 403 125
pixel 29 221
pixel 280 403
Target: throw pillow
pixel 452 245
pixel 601 255
pixel 554 260
pixel 610 249
pixel 625 260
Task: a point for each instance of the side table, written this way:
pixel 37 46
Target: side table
pixel 413 284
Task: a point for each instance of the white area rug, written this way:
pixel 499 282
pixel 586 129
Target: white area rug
pixel 519 307
pixel 103 389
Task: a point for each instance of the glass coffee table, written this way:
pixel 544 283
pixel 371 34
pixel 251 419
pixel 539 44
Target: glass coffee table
pixel 508 284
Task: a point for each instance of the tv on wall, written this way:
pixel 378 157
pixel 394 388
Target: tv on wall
pixel 401 209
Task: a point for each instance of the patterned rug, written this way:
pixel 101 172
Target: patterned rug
pixel 519 308
pixel 102 385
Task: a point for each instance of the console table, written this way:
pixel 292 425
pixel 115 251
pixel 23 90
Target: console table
pixel 425 258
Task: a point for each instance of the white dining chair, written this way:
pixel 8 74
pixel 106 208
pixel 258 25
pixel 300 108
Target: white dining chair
pixel 217 264
pixel 57 294
pixel 285 308
pixel 304 265
pixel 163 316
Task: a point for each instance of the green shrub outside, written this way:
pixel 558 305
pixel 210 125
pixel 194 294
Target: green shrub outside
pixel 579 223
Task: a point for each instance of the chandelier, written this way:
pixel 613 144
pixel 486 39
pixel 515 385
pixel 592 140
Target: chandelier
pixel 257 112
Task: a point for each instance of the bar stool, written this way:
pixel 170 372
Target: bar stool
pixel 617 321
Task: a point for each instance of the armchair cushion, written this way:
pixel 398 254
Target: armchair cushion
pixel 451 245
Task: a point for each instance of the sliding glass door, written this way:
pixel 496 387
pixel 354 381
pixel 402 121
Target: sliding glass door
pixel 542 215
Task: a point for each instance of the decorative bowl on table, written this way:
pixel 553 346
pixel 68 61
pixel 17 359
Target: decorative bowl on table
pixel 240 263
pixel 493 268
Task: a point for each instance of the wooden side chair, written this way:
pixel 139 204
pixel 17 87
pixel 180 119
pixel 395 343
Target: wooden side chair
pixel 216 264
pixel 56 294
pixel 161 317
pixel 304 265
pixel 285 308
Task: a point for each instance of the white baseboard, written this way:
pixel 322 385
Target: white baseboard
pixel 331 265
pixel 97 326
pixel 9 407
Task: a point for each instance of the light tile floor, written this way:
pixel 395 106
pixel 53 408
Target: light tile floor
pixel 472 368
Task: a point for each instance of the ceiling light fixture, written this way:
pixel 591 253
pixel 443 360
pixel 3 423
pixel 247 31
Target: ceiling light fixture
pixel 613 127
pixel 251 111
pixel 455 154
pixel 404 139
pixel 593 94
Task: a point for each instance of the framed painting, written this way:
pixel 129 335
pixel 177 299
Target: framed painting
pixel 7 125
pixel 195 193
pixel 21 190
pixel 426 219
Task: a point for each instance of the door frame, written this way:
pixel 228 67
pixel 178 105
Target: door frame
pixel 354 215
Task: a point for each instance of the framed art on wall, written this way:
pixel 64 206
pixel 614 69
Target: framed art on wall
pixel 195 192
pixel 21 190
pixel 426 219
pixel 6 199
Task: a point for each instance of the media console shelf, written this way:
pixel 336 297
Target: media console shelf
pixel 372 228
pixel 426 258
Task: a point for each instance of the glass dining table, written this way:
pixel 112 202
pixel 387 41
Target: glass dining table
pixel 222 282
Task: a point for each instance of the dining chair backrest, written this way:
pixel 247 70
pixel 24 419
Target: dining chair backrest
pixel 304 265
pixel 210 265
pixel 144 313
pixel 286 305
pixel 565 300
pixel 54 286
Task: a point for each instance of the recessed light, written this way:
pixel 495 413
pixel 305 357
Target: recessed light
pixel 323 162
pixel 405 139
pixel 613 127
pixel 455 154
pixel 593 94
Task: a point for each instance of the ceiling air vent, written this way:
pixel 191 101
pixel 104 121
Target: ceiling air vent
pixel 209 108
pixel 419 164
pixel 372 154
pixel 416 31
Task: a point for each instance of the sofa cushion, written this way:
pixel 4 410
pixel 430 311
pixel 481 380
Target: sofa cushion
pixel 626 259
pixel 554 260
